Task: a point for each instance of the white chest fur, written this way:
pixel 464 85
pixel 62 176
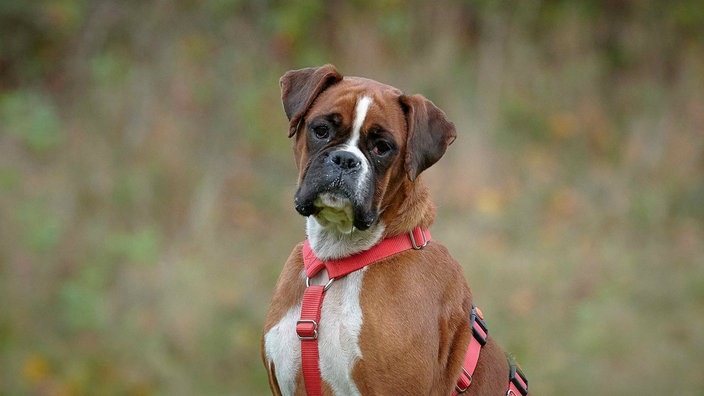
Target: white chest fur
pixel 338 334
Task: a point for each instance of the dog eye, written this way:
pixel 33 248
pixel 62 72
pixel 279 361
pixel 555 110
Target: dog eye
pixel 381 147
pixel 321 131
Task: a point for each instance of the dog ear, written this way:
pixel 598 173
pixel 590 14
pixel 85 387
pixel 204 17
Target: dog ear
pixel 299 88
pixel 429 134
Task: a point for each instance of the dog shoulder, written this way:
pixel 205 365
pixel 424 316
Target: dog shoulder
pixel 289 288
pixel 436 261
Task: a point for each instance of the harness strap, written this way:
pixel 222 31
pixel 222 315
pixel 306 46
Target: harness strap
pixel 480 333
pixel 307 325
pixel 517 382
pixel 307 330
pixel 416 239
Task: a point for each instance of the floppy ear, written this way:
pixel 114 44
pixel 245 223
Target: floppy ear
pixel 429 134
pixel 299 88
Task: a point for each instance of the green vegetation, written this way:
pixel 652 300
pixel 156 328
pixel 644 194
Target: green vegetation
pixel 146 183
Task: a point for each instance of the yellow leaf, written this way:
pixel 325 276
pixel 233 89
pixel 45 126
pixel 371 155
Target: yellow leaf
pixel 35 369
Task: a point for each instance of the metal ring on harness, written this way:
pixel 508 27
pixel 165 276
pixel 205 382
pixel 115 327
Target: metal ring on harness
pixel 327 285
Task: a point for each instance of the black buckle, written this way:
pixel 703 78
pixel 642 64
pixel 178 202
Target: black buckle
pixel 479 329
pixel 517 378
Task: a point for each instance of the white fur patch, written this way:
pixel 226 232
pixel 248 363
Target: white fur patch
pixel 283 348
pixel 338 337
pixel 360 113
pixel 352 145
pixel 340 325
pixel 329 244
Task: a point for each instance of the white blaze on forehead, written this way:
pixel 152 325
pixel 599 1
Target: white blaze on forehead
pixel 352 145
pixel 360 113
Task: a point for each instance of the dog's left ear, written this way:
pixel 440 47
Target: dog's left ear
pixel 299 88
pixel 429 134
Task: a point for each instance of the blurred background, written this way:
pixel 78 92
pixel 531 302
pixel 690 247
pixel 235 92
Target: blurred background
pixel 146 182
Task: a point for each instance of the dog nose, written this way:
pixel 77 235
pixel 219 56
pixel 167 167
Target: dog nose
pixel 344 159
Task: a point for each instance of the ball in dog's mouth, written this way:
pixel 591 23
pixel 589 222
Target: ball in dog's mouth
pixel 334 212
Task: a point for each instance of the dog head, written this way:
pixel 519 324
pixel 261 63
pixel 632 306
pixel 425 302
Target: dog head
pixel 357 141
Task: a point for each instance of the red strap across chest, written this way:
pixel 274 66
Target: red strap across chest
pixel 307 330
pixel 307 326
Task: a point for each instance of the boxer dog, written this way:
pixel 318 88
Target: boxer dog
pixel 400 324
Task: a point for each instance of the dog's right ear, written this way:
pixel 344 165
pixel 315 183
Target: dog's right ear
pixel 299 88
pixel 429 134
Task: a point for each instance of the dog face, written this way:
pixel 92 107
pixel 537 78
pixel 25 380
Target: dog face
pixel 351 143
pixel 356 142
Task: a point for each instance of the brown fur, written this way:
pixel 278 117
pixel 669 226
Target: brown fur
pixel 416 323
pixel 415 304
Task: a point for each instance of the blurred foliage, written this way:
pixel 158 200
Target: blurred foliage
pixel 33 119
pixel 146 182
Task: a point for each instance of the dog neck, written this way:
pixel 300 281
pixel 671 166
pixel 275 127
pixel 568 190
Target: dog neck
pixel 410 208
pixel 328 243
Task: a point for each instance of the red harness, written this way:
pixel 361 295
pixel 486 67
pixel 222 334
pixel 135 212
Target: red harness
pixel 307 326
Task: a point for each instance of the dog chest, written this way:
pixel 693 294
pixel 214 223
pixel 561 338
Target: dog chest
pixel 338 336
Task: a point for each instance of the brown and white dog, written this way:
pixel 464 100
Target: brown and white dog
pixel 399 326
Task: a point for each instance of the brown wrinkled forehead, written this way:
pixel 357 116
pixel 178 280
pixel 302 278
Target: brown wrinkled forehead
pixel 343 96
pixel 370 86
pixel 354 87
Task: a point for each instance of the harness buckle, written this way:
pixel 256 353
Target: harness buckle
pixel 467 377
pixel 479 329
pixel 305 332
pixel 416 246
pixel 517 378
